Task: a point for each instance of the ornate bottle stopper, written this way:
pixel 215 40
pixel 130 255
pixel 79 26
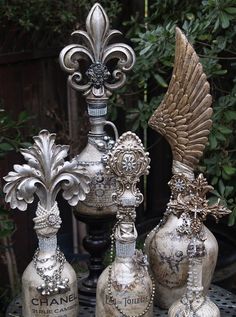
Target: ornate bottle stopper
pixel 97 68
pixel 125 287
pixel 48 281
pixel 184 119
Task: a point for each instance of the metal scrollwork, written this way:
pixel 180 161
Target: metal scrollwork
pixel 97 80
pixel 45 174
pixel 128 161
pixel 195 204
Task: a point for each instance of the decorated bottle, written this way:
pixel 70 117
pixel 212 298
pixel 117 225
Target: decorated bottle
pixel 184 119
pixel 97 83
pixel 49 283
pixel 194 303
pixel 125 288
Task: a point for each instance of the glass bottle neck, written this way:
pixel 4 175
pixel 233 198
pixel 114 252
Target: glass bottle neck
pixel 194 285
pixel 47 245
pixel 125 250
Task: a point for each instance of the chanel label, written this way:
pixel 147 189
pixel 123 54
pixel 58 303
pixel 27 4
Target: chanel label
pixel 61 305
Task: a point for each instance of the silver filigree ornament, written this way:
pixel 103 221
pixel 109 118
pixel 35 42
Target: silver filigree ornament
pixel 44 176
pixel 128 162
pixel 97 80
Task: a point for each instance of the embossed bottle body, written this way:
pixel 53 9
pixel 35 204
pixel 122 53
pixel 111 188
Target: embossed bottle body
pixel 166 250
pixel 99 200
pixel 34 304
pixel 131 288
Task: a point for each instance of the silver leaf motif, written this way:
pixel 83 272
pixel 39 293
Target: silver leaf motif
pixel 45 174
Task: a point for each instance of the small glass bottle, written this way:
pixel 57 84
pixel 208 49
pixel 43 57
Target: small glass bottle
pixel 194 303
pixel 125 288
pixel 49 283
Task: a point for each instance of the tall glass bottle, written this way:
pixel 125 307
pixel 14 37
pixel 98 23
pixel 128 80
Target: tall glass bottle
pixel 125 287
pixel 49 283
pixel 105 65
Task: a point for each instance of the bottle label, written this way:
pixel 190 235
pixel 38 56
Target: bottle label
pixel 61 305
pixel 131 303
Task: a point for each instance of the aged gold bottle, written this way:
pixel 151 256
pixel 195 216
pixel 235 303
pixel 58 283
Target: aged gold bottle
pixel 125 288
pixel 49 283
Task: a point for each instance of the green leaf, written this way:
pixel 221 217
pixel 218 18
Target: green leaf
pixel 145 50
pixel 232 217
pixel 225 176
pixel 23 116
pixel 161 81
pixel 228 190
pixel 230 10
pixel 229 170
pixel 220 136
pixel 25 144
pixel 230 115
pixel 213 141
pixel 224 130
pixel 213 200
pixel 6 147
pixel 224 20
pixel 214 180
pixel 221 187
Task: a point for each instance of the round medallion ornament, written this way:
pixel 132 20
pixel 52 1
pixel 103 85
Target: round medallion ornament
pixel 97 74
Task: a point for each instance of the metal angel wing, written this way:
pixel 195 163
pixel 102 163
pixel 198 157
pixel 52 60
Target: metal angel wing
pixel 184 116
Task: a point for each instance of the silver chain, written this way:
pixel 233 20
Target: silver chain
pixel 110 282
pixel 52 284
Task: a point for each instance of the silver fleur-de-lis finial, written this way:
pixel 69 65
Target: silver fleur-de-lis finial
pixel 98 81
pixel 45 175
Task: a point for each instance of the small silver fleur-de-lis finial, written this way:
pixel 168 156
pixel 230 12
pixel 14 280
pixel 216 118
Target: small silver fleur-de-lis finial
pixel 98 81
pixel 45 175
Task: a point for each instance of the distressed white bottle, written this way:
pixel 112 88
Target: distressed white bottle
pixel 56 305
pixel 166 250
pixel 131 287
